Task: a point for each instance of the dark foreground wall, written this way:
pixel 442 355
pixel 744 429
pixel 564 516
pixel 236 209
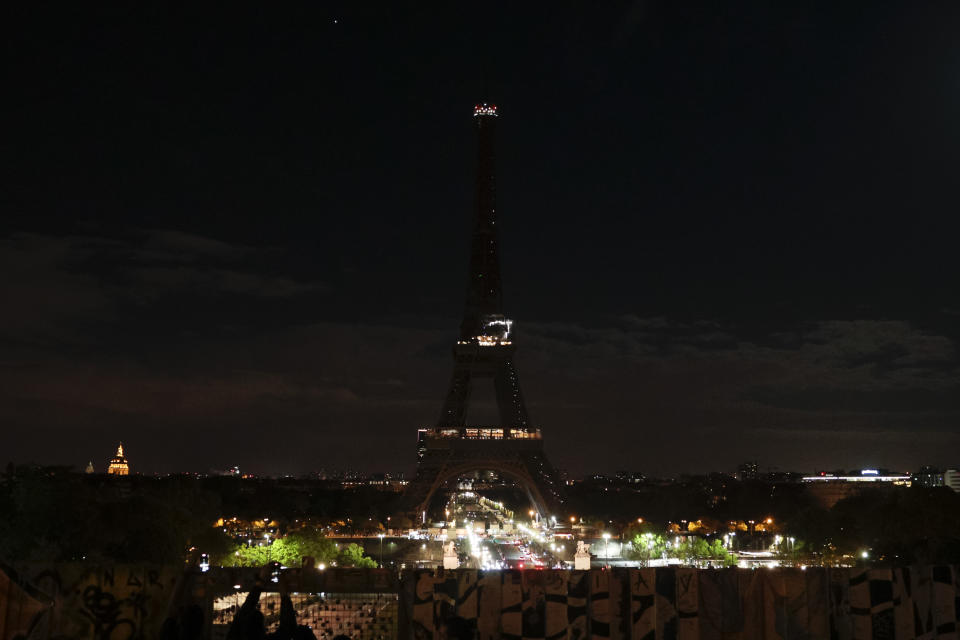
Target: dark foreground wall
pixel 84 602
pixel 115 603
pixel 689 604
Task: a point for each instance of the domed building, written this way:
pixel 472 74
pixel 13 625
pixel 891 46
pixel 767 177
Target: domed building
pixel 118 464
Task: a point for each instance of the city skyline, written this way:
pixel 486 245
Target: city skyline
pixel 769 473
pixel 724 239
pixel 399 476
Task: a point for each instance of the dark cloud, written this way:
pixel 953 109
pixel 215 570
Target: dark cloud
pixel 862 437
pixel 917 401
pixel 43 296
pixel 669 386
pixel 159 280
pixel 58 285
pixel 660 385
pixel 657 381
pixel 177 245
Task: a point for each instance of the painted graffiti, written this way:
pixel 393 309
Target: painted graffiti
pixel 99 603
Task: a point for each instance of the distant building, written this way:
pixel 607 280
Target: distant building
pixel 118 464
pixel 381 481
pixel 89 468
pixel 748 471
pixel 829 488
pixel 951 478
pixel 865 475
pixel 630 477
pixel 928 476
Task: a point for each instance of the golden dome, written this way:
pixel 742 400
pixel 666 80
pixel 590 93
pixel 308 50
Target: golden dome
pixel 118 464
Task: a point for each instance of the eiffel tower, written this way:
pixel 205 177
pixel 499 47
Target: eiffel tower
pixel 484 353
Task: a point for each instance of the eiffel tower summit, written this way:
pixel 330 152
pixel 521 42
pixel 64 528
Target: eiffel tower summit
pixel 483 354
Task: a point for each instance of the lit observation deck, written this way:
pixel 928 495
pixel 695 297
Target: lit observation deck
pixel 495 330
pixel 480 433
pixel 485 110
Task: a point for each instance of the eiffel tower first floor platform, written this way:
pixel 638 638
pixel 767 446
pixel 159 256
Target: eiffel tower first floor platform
pixel 446 457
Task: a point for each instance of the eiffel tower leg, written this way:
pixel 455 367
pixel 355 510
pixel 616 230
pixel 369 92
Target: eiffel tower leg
pixel 513 412
pixel 454 411
pixel 430 476
pixel 545 482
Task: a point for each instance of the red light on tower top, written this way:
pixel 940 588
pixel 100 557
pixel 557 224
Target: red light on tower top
pixel 485 109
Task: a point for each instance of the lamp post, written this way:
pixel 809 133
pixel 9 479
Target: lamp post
pixel 606 553
pixel 381 550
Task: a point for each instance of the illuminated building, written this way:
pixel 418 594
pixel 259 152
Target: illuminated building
pixel 928 476
pixel 951 479
pixel 865 475
pixel 484 353
pixel 748 471
pixel 118 464
pixel 829 488
pixel 89 468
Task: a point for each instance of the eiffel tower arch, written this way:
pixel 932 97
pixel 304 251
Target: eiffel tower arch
pixel 484 354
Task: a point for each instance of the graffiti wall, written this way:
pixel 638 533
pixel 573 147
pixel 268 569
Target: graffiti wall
pixel 685 604
pixel 83 602
pixel 120 603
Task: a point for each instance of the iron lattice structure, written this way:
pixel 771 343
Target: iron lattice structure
pixel 483 354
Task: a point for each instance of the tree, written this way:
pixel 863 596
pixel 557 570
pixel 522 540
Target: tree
pixel 718 554
pixel 310 542
pixel 218 546
pixel 255 556
pixel 352 556
pixel 697 551
pixel 288 551
pixel 647 546
pixel 790 551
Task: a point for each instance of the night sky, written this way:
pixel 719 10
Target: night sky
pixel 729 231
